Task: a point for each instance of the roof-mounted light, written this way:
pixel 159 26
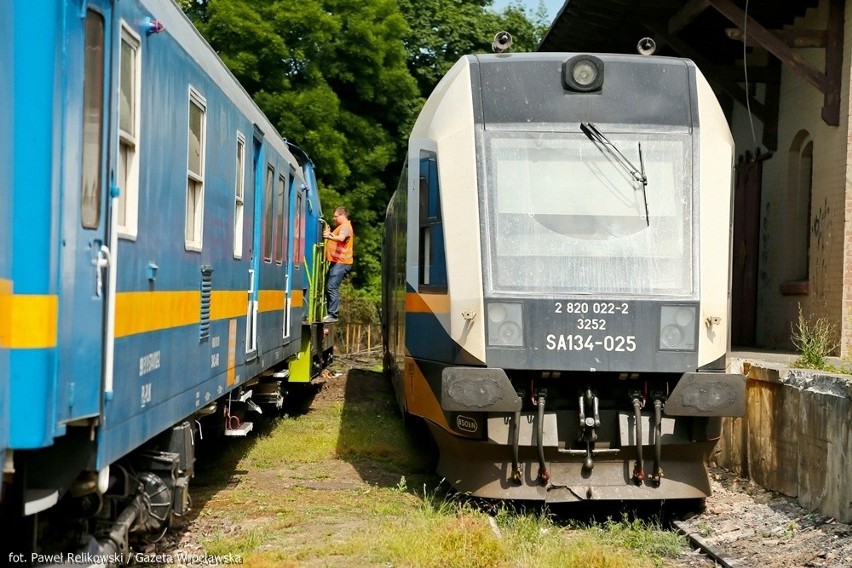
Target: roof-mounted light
pixel 583 73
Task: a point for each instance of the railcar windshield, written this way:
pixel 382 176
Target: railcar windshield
pixel 563 216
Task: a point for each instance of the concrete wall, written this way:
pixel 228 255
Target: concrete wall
pixel 795 438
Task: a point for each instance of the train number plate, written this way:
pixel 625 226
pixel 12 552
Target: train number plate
pixel 592 326
pixel 579 342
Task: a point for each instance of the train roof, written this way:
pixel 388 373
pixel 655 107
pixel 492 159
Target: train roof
pixel 177 24
pixel 530 91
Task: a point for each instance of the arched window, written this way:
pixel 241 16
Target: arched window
pixel 799 179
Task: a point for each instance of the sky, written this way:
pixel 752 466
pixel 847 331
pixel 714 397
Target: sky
pixel 552 6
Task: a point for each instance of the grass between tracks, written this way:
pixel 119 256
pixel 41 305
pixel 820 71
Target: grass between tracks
pixel 343 485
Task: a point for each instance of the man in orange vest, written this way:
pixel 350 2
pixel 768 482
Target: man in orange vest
pixel 338 251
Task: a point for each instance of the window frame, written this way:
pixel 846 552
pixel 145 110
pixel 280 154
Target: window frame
pixel 91 179
pixel 432 254
pixel 239 195
pixel 268 214
pixel 299 229
pixel 799 204
pixel 282 212
pixel 128 198
pixel 195 180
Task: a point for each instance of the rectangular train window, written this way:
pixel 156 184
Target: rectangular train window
pixel 239 195
pixel 282 212
pixel 128 133
pixel 433 266
pixel 93 121
pixel 195 171
pixel 299 231
pixel 268 213
pixel 563 217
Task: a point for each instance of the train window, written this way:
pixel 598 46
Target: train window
pixel 128 133
pixel 93 118
pixel 195 171
pixel 299 231
pixel 268 213
pixel 564 217
pixel 433 269
pixel 239 195
pixel 282 212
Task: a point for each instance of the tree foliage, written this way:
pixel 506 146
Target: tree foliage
pixel 442 31
pixel 344 80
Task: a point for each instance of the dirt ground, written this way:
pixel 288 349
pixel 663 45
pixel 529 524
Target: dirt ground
pixel 750 526
pixel 755 527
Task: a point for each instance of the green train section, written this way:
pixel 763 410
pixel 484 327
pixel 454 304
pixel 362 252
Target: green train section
pixel 317 346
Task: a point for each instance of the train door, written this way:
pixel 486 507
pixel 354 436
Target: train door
pixel 84 256
pixel 281 247
pixel 290 237
pixel 296 277
pixel 254 269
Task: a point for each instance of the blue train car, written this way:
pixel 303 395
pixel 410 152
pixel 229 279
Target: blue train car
pixel 6 185
pixel 163 270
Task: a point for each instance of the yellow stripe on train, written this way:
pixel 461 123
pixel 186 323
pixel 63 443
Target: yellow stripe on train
pixel 420 399
pixel 143 312
pixel 27 321
pixel 427 303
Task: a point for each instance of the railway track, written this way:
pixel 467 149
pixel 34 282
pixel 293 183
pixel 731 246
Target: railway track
pixel 707 549
pixel 745 525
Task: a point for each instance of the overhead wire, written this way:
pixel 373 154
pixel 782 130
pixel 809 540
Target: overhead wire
pixel 745 73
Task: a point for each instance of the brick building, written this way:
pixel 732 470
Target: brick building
pixel 781 70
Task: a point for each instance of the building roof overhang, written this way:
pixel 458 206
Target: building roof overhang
pixel 736 43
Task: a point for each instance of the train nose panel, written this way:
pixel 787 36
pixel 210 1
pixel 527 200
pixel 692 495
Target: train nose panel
pixel 708 394
pixel 477 390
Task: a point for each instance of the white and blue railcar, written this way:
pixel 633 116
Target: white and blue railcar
pixel 556 276
pixel 160 256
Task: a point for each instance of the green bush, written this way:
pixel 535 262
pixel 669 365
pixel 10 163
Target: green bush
pixel 814 340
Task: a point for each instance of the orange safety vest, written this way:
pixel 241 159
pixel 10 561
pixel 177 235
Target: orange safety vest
pixel 340 251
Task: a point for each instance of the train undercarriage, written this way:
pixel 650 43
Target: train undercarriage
pixel 99 518
pixel 582 437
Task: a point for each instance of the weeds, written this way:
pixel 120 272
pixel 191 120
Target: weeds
pixel 343 486
pixel 814 340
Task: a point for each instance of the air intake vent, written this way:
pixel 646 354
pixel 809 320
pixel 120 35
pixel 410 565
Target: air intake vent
pixel 206 293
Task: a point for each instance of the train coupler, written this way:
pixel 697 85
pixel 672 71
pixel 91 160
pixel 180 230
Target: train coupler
pixel 543 474
pixel 589 425
pixel 638 474
pixel 515 437
pixel 657 475
pixel 638 401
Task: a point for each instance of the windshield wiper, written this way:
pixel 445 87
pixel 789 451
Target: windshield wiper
pixel 638 174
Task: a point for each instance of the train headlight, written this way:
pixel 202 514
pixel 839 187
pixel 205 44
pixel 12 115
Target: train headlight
pixel 505 324
pixel 583 73
pixel 677 328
